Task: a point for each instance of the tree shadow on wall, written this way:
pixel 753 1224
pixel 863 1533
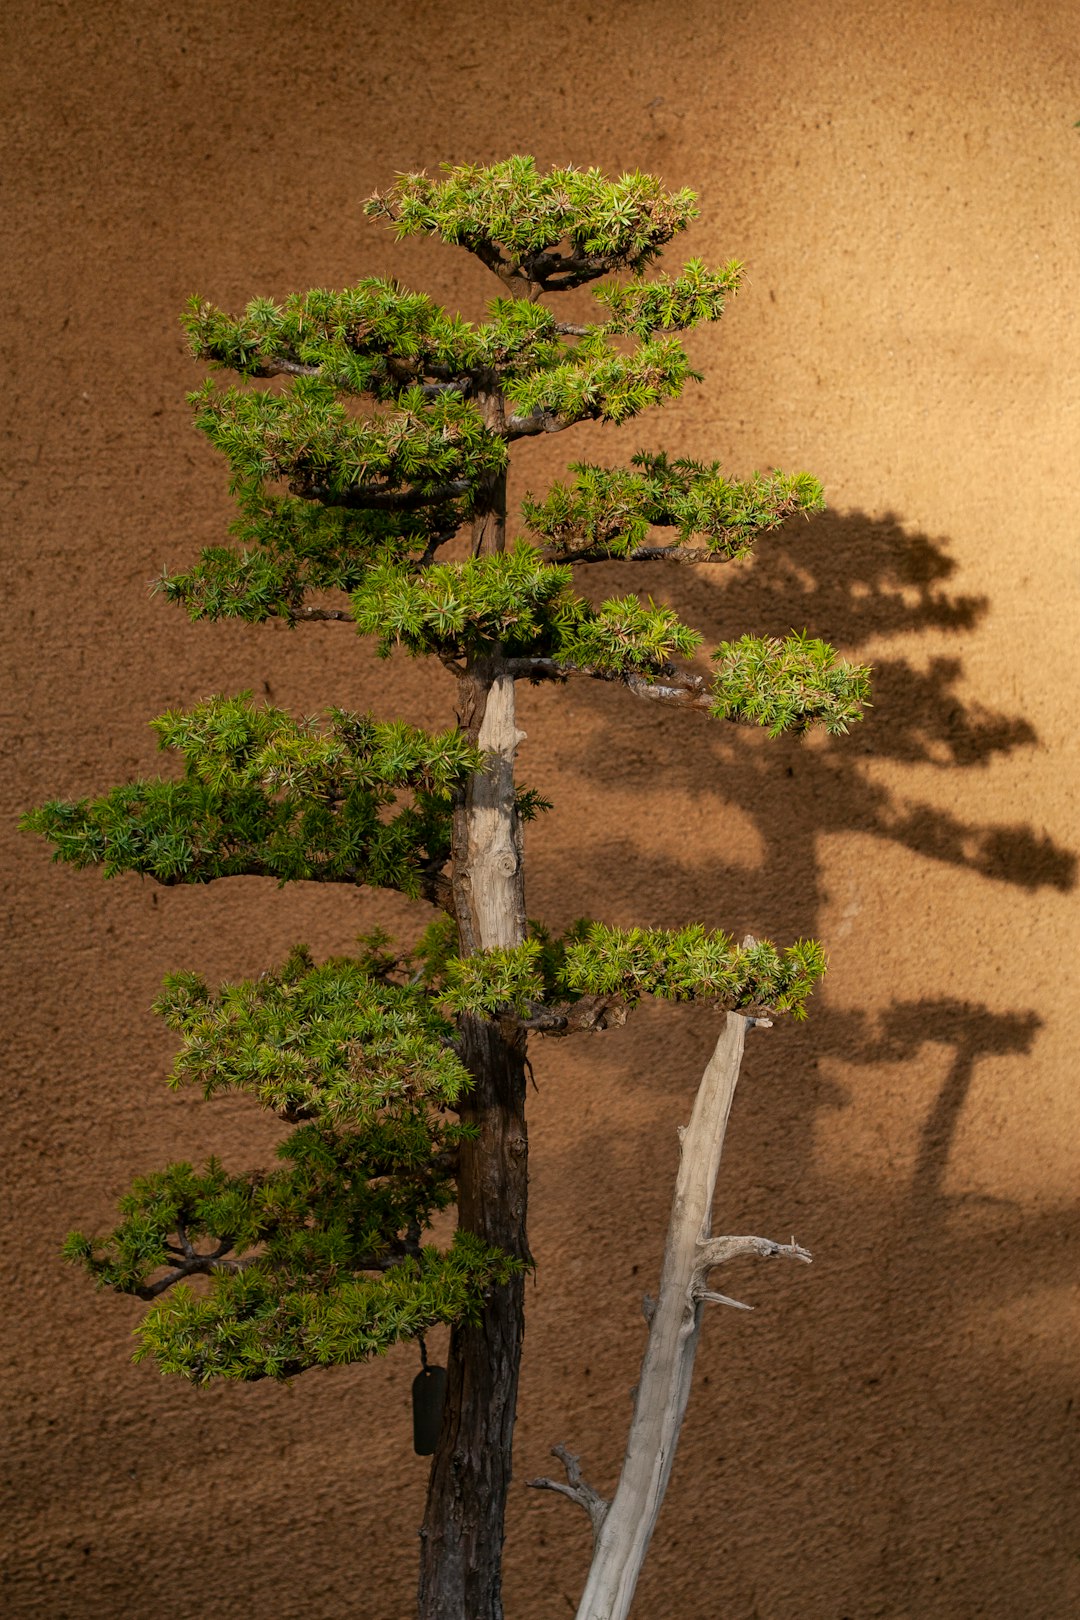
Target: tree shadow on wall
pixel 855 581
pixel 873 581
pixel 927 1254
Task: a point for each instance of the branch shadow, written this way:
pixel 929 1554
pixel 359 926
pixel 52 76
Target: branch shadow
pixel 973 1032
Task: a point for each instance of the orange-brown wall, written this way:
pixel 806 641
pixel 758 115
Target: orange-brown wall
pixel 893 1432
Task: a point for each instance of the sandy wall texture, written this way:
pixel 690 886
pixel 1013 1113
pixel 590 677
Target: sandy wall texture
pixel 892 1432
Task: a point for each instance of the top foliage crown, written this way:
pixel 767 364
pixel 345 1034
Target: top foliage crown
pixel 516 219
pixel 370 500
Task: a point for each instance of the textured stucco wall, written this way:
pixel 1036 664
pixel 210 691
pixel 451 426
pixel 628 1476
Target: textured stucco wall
pixel 892 1433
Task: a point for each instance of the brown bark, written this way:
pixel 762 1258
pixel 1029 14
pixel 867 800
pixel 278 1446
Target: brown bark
pixel 463 1529
pixel 489 511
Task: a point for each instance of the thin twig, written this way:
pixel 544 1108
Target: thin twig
pixel 576 1488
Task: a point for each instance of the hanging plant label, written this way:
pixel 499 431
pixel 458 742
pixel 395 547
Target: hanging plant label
pixel 428 1396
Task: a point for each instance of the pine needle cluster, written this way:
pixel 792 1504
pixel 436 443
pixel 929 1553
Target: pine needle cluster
pixel 512 210
pixel 515 600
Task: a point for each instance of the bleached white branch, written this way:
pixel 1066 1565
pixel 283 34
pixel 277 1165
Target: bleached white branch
pixel 674 1327
pixel 708 1297
pixel 717 1251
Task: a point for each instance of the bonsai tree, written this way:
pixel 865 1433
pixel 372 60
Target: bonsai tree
pixel 402 1070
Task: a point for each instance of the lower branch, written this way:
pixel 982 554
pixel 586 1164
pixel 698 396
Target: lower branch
pixel 313 615
pixel 434 885
pixel 194 1265
pixel 673 553
pixel 362 498
pixel 545 421
pixel 679 686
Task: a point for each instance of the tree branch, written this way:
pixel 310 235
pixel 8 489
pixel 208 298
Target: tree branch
pixel 716 1251
pixel 576 1488
pixel 438 890
pixel 208 1264
pixel 444 1163
pixel 589 1013
pixel 681 687
pixel 381 500
pixel 277 365
pixel 406 374
pixel 572 269
pixel 544 270
pixel 675 1322
pixel 541 421
pixel 312 615
pixel 676 553
pixel 435 886
pixel 488 254
pixel 193 1265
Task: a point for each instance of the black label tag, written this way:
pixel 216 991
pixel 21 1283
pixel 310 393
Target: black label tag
pixel 428 1395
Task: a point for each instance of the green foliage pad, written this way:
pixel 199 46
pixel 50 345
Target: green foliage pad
pixel 263 794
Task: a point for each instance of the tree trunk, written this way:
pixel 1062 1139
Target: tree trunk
pixel 463 1530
